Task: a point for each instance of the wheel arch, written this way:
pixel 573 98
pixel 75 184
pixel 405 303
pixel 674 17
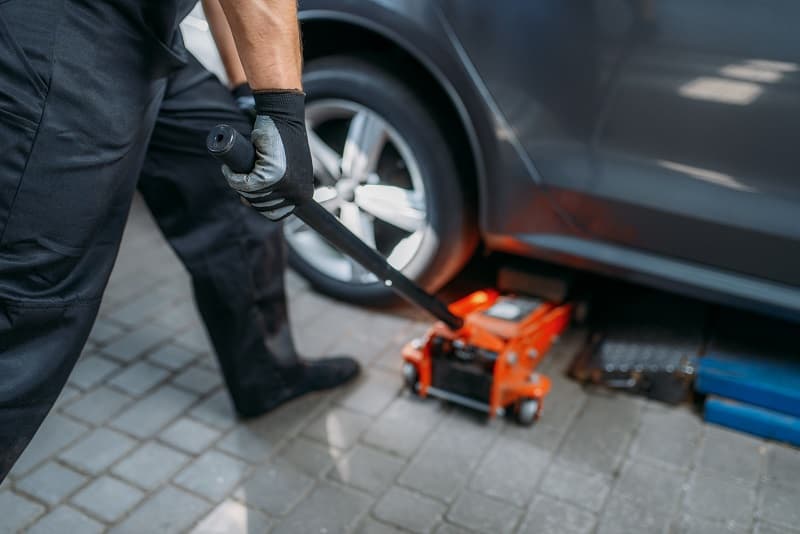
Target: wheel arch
pixel 331 32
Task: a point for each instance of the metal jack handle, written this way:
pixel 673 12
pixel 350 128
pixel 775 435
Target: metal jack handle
pixel 227 145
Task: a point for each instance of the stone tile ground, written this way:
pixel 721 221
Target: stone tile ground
pixel 144 440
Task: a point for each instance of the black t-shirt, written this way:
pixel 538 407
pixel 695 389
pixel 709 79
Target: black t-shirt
pixel 163 18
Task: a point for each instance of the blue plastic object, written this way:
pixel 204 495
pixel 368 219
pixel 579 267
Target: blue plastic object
pixel 752 419
pixel 771 383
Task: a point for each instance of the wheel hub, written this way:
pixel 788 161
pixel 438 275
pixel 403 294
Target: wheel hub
pixel 346 189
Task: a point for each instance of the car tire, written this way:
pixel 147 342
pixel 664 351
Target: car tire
pixel 448 236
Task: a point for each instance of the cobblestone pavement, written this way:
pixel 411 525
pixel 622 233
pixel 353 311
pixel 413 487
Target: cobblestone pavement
pixel 143 440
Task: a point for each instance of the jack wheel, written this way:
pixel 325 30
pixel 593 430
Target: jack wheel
pixel 527 411
pixel 411 377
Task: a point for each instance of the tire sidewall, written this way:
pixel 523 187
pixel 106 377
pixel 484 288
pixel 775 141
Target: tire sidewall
pixel 364 84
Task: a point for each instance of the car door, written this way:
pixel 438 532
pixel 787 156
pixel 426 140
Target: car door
pixel 696 150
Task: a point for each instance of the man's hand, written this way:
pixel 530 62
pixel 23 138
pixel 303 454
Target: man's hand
pixel 283 174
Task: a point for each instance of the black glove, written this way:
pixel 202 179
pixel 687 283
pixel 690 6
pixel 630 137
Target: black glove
pixel 283 175
pixel 245 100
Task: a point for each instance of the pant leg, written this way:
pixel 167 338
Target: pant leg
pixel 235 256
pixel 75 119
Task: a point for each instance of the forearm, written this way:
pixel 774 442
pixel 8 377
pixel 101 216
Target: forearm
pixel 267 37
pixel 223 38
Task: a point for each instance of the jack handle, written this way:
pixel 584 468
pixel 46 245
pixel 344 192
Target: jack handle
pixel 234 150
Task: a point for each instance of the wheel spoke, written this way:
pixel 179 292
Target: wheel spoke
pixel 328 197
pixel 358 222
pixel 397 206
pixel 405 250
pixel 327 163
pixel 366 138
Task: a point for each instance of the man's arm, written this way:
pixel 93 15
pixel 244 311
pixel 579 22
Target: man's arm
pixel 267 36
pixel 223 38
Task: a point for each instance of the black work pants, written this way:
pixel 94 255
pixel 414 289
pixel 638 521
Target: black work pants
pixel 92 104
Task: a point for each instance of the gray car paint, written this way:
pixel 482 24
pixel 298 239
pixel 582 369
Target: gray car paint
pixel 664 130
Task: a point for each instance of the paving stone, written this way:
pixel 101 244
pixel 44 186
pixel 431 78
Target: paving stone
pixel 308 456
pixel 17 512
pixel 209 362
pixel 371 526
pixel 652 486
pixel 367 469
pixel 306 307
pixel 92 370
pixel 147 416
pixel 198 380
pixel 325 335
pixel 328 509
pixel 694 525
pixel 103 331
pixel 409 510
pixel 669 435
pixel 55 433
pixel 623 516
pixel 404 425
pixel 107 498
pixel 139 378
pixel 67 395
pixel 216 411
pixel 338 427
pixel 136 310
pixel 720 497
pixel 169 511
pixel 189 435
pixel 510 471
pixel 274 488
pixel 171 356
pixel 484 514
pixel 51 483
pixel 446 528
pixel 179 316
pixel 98 450
pixel 361 346
pixel 232 517
pixel 150 465
pixel 562 404
pixel 447 459
pixel 542 436
pixel 765 527
pixel 725 451
pixel 65 519
pixel 580 486
pixel 783 465
pixel 373 392
pixel 294 282
pixel 780 505
pixel 601 432
pixel 195 339
pixel 285 422
pixel 212 475
pixel 248 443
pixel 97 406
pixel 134 343
pixel 551 516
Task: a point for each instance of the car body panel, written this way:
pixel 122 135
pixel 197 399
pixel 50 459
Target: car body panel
pixel 663 130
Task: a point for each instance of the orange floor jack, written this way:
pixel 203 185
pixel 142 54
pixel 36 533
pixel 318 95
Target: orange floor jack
pixel 490 362
pixel 484 350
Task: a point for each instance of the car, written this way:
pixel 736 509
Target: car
pixel 653 141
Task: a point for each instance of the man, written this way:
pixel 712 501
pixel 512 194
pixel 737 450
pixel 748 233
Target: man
pixel 95 97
